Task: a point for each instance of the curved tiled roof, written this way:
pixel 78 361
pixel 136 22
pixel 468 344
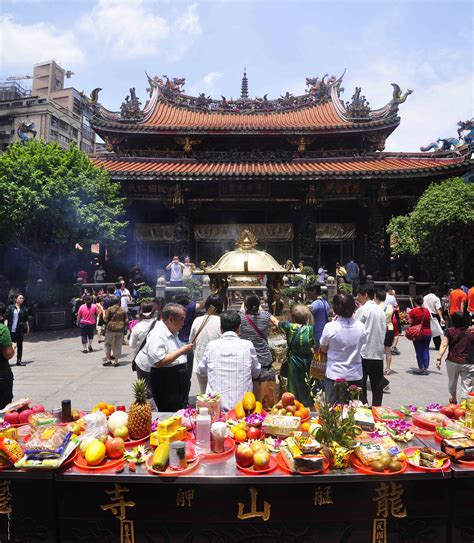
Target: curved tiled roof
pixel 168 117
pixel 382 165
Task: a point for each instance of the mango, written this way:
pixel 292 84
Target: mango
pixel 95 453
pixel 239 411
pixel 249 401
pixel 258 408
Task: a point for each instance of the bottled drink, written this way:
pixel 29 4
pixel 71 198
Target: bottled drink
pixel 203 430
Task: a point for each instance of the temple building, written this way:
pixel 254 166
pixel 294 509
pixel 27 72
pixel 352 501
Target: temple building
pixel 307 174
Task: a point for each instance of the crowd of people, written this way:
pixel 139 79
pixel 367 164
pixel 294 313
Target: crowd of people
pixel 229 351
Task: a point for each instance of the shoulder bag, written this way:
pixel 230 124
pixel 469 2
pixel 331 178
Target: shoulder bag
pixel 415 331
pixel 134 364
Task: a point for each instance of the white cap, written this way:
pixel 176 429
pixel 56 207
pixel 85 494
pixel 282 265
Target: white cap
pixel 203 411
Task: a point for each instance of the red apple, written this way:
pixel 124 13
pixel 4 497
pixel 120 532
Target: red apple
pixel 279 405
pixel 38 408
pixel 258 446
pixel 261 459
pixel 114 447
pixel 12 417
pixel 448 411
pixel 459 413
pixel 24 415
pixel 287 399
pixel 291 409
pixel 254 433
pixel 244 455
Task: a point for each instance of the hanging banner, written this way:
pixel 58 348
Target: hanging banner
pixel 335 231
pixel 224 232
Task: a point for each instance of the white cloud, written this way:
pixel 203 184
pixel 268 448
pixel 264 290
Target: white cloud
pixel 134 28
pixel 22 43
pixel 206 84
pixel 443 94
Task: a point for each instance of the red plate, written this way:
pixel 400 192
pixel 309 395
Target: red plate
pixel 466 462
pixel 283 466
pixel 171 472
pixel 229 446
pixel 70 460
pixel 359 466
pixel 411 450
pixel 425 424
pixel 421 432
pixel 272 466
pixel 106 464
pixel 129 443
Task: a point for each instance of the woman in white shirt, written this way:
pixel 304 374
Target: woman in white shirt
pixel 139 333
pixel 210 329
pixel 342 340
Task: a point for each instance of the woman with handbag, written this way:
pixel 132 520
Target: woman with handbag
pixel 16 318
pixel 116 321
pixel 420 330
pixel 255 325
pixel 300 338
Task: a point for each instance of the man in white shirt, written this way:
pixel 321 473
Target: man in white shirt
pixel 176 276
pixel 125 296
pixel 373 318
pixel 433 305
pixel 322 274
pixel 230 363
pixel 165 356
pixel 204 330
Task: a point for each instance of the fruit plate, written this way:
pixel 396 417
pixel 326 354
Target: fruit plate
pixel 171 472
pixel 426 425
pixel 272 466
pixel 231 415
pixel 106 464
pixel 229 446
pixel 283 466
pixel 359 466
pixel 411 450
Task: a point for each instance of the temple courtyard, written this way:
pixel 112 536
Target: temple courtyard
pixel 56 370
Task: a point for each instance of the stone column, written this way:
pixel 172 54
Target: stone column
pixel 160 287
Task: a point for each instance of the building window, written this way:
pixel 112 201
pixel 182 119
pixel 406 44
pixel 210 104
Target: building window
pixel 54 121
pixel 74 131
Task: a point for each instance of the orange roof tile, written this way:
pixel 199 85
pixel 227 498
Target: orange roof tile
pixel 125 166
pixel 169 117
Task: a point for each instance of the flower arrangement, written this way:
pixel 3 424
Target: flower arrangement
pixel 403 318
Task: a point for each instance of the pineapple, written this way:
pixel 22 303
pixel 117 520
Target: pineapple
pixel 139 412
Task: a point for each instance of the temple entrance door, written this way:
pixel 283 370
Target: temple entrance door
pixel 332 252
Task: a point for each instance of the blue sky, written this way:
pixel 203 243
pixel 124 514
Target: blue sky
pixel 423 45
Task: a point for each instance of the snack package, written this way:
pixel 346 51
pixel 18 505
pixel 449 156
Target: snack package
pixel 364 418
pixel 449 433
pixel 302 462
pixel 280 425
pixel 169 425
pixel 385 413
pixel 96 425
pixel 46 463
pixel 428 458
pixel 459 449
pixel 372 450
pixel 41 419
pixel 10 450
pixel 48 441
pixel 306 442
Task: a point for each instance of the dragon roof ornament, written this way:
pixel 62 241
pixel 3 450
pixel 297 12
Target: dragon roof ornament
pixel 318 91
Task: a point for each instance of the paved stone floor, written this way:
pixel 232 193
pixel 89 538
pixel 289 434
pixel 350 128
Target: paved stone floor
pixel 56 369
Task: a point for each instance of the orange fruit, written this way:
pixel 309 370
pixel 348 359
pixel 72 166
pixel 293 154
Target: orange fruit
pixel 298 414
pixel 305 426
pixel 111 408
pixel 240 435
pixel 304 411
pixel 106 412
pixel 102 405
pixel 298 404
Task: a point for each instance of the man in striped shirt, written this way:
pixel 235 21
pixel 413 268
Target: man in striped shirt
pixel 229 363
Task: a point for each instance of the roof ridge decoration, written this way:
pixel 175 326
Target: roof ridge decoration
pixel 318 91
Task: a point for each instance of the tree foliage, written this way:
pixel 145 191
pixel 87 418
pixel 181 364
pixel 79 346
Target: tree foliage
pixel 53 198
pixel 439 229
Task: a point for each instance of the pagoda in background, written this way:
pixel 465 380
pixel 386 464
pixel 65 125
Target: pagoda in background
pixel 307 173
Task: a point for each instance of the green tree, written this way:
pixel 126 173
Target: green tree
pixel 439 229
pixel 52 199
